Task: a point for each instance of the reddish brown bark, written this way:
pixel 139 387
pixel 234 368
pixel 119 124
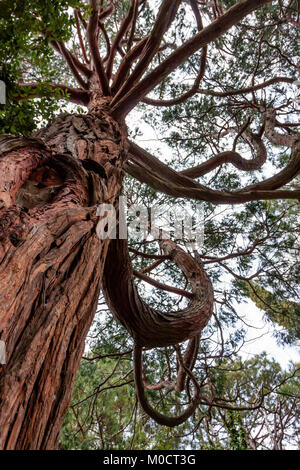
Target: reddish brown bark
pixel 153 328
pixel 51 264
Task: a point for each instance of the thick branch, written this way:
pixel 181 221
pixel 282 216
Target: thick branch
pixel 150 327
pixel 274 136
pixel 126 63
pixel 80 66
pixel 70 60
pixel 148 169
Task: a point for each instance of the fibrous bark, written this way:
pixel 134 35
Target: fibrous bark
pixel 153 328
pixel 51 264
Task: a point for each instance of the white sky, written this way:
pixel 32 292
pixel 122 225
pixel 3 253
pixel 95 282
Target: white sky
pixel 259 336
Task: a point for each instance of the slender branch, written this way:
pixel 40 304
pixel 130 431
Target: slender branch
pixel 133 25
pixel 92 37
pixel 248 251
pixel 170 421
pixel 121 32
pixel 107 40
pixel 84 23
pixel 69 58
pixel 83 50
pixel 103 356
pixel 250 89
pixel 162 286
pixel 189 359
pixel 147 255
pixel 126 63
pixel 152 266
pixel 194 89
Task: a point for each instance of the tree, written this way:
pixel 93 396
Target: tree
pixel 108 56
pixel 112 421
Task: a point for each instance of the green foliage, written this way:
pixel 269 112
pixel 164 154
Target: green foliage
pixel 236 431
pixel 25 54
pixel 103 415
pixel 284 312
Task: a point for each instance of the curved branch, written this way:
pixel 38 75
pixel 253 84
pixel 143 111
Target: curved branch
pixel 285 176
pixel 231 157
pixel 250 89
pixel 148 326
pixel 275 137
pixel 150 170
pixel 170 421
pixel 158 386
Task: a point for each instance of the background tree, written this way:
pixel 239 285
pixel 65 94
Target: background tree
pixel 103 412
pixel 108 57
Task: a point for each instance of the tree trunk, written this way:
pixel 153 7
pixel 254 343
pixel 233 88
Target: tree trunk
pixel 51 265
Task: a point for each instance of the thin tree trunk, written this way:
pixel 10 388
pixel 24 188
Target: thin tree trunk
pixel 51 265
